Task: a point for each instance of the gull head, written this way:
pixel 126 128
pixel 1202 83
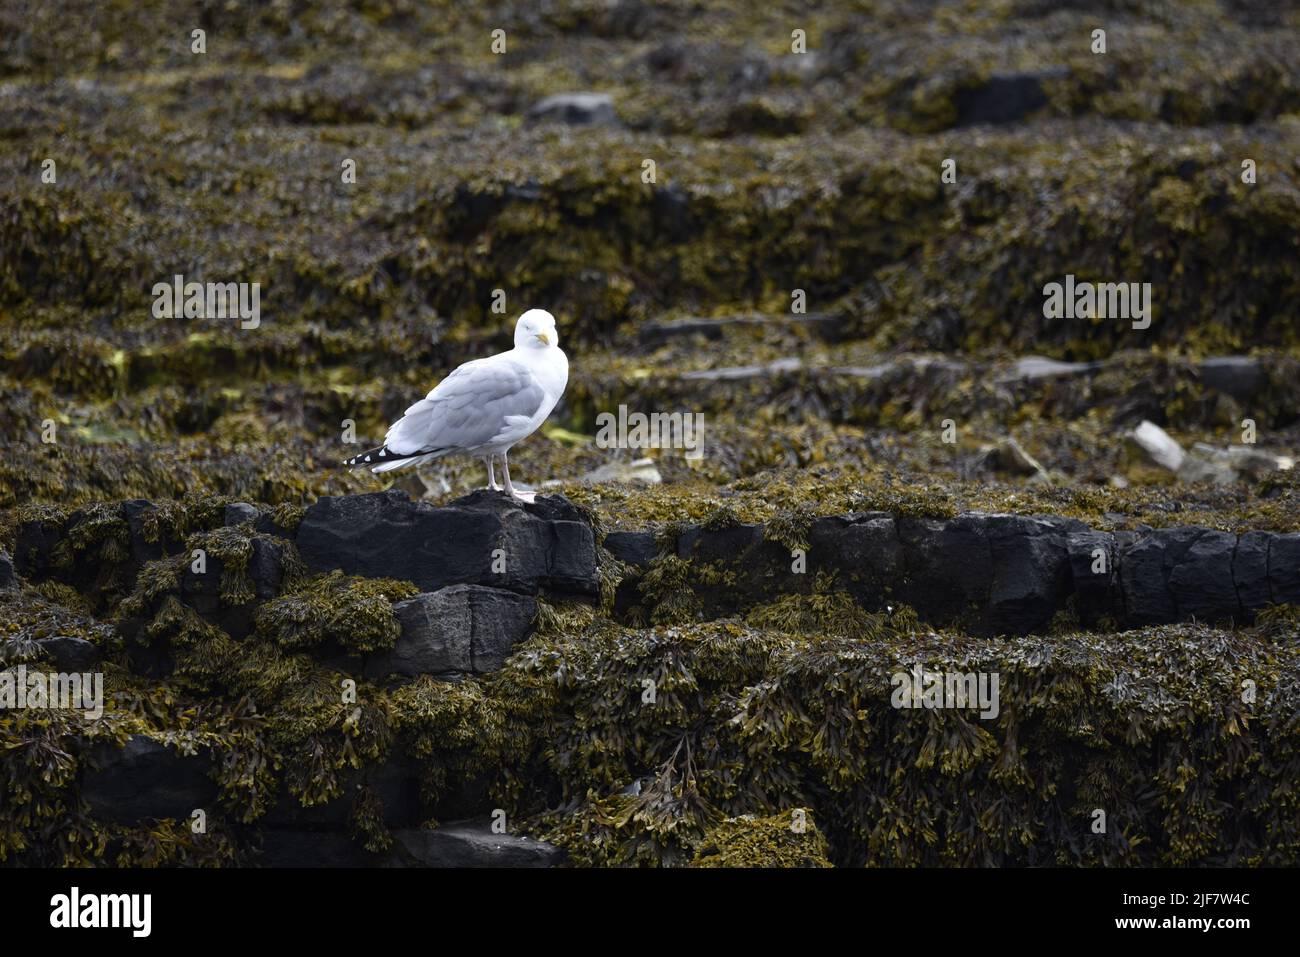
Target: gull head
pixel 536 330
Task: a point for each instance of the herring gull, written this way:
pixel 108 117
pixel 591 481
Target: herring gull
pixel 483 408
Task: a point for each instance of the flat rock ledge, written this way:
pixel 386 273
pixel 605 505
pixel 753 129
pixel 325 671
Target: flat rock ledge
pixel 481 539
pixel 993 573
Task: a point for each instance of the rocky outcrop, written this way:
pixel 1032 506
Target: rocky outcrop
pixel 987 574
pixel 481 539
pixel 470 628
pixel 70 653
pixel 482 560
pixel 145 780
pixel 634 548
pixel 1239 376
pixel 999 574
pixel 202 591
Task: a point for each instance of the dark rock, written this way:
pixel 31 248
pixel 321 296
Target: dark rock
pixel 145 779
pixel 638 550
pixel 1239 376
pixel 396 781
pixel 37 541
pixel 1250 571
pixel 1008 574
pixel 671 208
pixel 698 543
pixel 202 592
pixel 470 797
pixel 634 548
pixel 1002 98
pixel 1093 575
pixel 1202 583
pixel 548 544
pixel 863 550
pixel 266 567
pixel 142 550
pixel 8 577
pixel 667 57
pixel 948 566
pixel 237 513
pixel 1145 565
pixel 70 653
pixel 1031 571
pixel 34 548
pixel 1284 568
pixel 469 844
pixel 575 109
pixel 146 655
pixel 458 628
pixel 762 566
pixel 266 525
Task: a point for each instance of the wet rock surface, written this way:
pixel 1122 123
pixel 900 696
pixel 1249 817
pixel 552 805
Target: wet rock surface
pixel 1004 574
pixel 146 780
pixel 547 545
pixel 70 653
pixel 457 628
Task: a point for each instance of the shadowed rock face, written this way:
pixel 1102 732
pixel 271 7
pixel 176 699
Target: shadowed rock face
pixel 145 780
pixel 468 628
pixel 1008 574
pixel 203 591
pixel 70 653
pixel 547 545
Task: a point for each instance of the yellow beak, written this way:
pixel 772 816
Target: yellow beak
pixel 546 340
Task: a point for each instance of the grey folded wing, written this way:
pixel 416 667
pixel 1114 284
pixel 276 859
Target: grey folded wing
pixel 474 405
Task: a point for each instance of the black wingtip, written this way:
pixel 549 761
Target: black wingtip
pixel 368 457
pixel 376 457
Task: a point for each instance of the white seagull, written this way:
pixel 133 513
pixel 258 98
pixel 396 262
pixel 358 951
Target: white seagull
pixel 483 408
